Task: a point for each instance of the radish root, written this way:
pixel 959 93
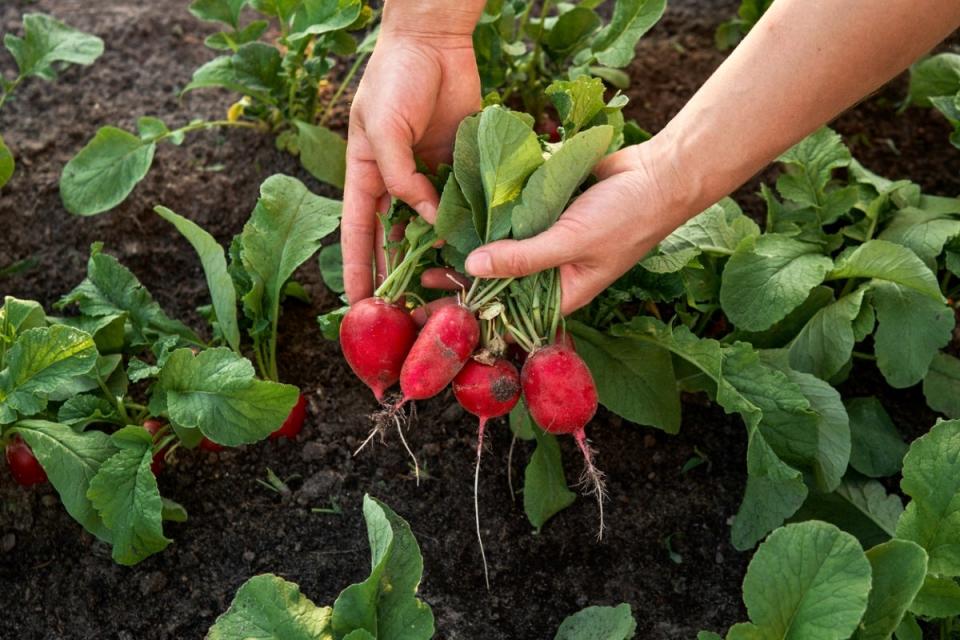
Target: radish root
pixel 476 500
pixel 392 412
pixel 592 479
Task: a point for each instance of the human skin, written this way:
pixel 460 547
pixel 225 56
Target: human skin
pixel 803 63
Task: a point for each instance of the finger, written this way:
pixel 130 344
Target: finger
pixel 515 258
pixel 623 160
pixel 379 256
pixel 420 315
pixel 362 191
pixel 393 147
pixel 444 279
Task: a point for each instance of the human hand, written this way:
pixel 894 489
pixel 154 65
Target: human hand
pixel 416 89
pixel 639 200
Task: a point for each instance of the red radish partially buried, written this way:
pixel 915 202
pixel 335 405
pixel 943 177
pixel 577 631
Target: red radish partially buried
pixel 294 422
pixel 445 343
pixel 562 398
pixel 376 336
pixel 153 427
pixel 487 391
pixel 24 467
pixel 209 445
pixel 551 128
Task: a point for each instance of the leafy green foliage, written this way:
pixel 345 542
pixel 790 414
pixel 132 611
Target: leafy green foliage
pixel 729 33
pixel 280 83
pixel 935 82
pixel 46 47
pixel 523 47
pixel 383 606
pixel 599 623
pixel 545 491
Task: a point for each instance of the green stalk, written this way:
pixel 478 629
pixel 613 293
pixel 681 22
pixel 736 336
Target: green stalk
pixel 343 85
pixel 122 410
pixel 9 90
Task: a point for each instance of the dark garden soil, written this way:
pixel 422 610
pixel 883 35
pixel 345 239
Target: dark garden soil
pixel 61 583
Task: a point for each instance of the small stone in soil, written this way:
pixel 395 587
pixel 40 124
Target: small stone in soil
pixel 313 451
pixel 249 556
pixel 49 500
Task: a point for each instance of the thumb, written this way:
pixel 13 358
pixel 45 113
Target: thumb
pixel 515 258
pixel 394 152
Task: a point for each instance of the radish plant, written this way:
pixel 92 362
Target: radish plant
pixel 282 82
pixel 47 47
pixel 731 32
pixel 935 82
pixel 522 47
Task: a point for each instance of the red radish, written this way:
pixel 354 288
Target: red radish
pixel 376 336
pixel 209 445
pixel 487 391
pixel 562 398
pixel 440 351
pixel 551 128
pixel 294 422
pixel 24 467
pixel 153 427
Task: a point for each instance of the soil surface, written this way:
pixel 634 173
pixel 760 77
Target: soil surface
pixel 62 582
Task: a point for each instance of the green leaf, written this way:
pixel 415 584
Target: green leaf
pixel 810 164
pixel 634 378
pixel 898 568
pixel 255 70
pixel 316 17
pixel 385 604
pixel 108 331
pixel 509 153
pixel 941 386
pixel 283 10
pixel 283 232
pixel 17 316
pixel 882 260
pixel 717 230
pixel 216 392
pixel 268 607
pixel 214 263
pixel 39 361
pixel 938 75
pixel 825 343
pixel 331 267
pixel 549 189
pixel 938 598
pixel 110 289
pixel 571 30
pixel 925 232
pixel 323 153
pixel 931 476
pixel 521 423
pixel 599 623
pixel 47 41
pixel 330 322
pixel 83 409
pixel 226 40
pixel 105 171
pixel 545 491
pixel 466 167
pixel 173 511
pixel 71 460
pixel 7 164
pixel 877 448
pixel 124 491
pixel 577 102
pixel 858 506
pixel 807 580
pixel 909 629
pixel 455 218
pixel 614 46
pixel 225 11
pixel 911 330
pixel 769 276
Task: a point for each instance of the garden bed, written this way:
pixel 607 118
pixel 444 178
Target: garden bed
pixel 667 549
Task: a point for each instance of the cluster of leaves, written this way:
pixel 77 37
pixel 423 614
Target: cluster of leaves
pixel 281 81
pixel 47 46
pixel 73 387
pixel 935 82
pixel 385 606
pixel 812 580
pixel 731 32
pixel 519 54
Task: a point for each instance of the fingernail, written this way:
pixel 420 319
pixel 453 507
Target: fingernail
pixel 479 263
pixel 427 211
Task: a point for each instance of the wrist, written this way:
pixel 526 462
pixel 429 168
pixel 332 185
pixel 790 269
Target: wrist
pixel 431 19
pixel 680 192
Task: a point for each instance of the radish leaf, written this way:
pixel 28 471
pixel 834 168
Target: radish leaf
pixel 545 491
pixel 898 568
pixel 877 448
pixel 859 506
pixel 272 607
pixel 7 164
pixel 47 41
pixel 941 386
pixel 599 623
pixel 614 46
pixel 323 153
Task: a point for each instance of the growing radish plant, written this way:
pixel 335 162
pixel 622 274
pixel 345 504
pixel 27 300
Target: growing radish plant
pixel 731 32
pixel 282 82
pixel 907 573
pixel 522 47
pixel 47 47
pixel 935 82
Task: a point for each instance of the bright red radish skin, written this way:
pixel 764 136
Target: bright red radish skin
pixel 24 467
pixel 209 445
pixel 376 337
pixel 292 426
pixel 562 398
pixel 487 391
pixel 445 343
pixel 153 426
